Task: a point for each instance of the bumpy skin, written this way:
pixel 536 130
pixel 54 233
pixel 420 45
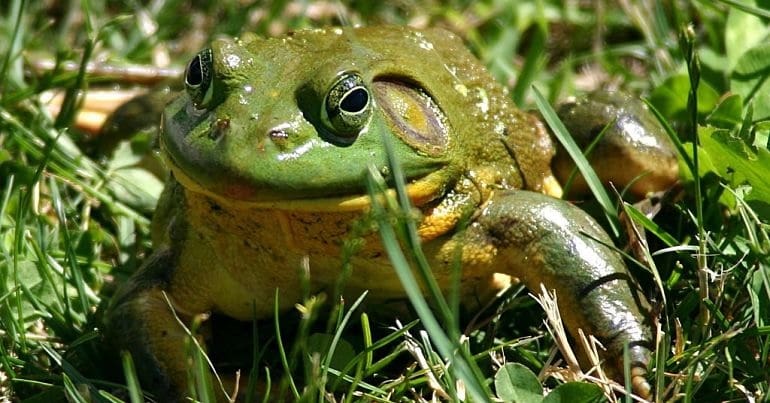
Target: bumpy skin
pixel 263 176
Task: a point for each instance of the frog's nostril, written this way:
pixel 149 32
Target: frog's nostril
pixel 278 134
pixel 219 128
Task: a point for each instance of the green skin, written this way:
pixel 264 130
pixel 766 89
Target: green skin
pixel 266 174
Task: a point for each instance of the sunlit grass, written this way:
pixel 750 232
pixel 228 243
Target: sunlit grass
pixel 73 225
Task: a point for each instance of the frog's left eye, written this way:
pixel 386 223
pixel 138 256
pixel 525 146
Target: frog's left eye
pixel 198 78
pixel 347 106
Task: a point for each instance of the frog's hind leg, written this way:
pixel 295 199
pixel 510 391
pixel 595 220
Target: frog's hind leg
pixel 543 240
pixel 633 150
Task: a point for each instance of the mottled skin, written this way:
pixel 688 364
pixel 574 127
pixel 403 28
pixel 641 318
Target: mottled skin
pixel 263 176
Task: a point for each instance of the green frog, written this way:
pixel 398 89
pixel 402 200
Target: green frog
pixel 268 150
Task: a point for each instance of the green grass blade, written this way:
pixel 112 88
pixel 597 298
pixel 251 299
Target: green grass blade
pixel 282 350
pixel 132 381
pixel 464 367
pixel 561 132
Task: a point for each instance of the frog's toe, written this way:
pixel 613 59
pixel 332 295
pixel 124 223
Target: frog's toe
pixel 640 355
pixel 639 383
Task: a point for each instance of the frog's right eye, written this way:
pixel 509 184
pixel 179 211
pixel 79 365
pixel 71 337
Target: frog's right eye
pixel 347 106
pixel 198 78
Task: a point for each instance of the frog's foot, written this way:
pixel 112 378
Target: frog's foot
pixel 547 241
pixel 142 321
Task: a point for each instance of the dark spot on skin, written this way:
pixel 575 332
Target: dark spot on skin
pixel 215 207
pixel 219 128
pixel 306 219
pixel 163 333
pixel 279 137
pixel 278 134
pixel 500 231
pixel 623 277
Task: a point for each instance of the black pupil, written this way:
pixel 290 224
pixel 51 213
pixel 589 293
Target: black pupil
pixel 355 101
pixel 194 72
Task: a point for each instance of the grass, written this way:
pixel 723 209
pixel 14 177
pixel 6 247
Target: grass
pixel 74 223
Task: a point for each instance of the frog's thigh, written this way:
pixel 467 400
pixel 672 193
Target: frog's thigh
pixel 540 239
pixel 142 322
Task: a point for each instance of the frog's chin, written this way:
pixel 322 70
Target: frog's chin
pixel 420 192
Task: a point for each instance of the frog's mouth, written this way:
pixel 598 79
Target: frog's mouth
pixel 420 191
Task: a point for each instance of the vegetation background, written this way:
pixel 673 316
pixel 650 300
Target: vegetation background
pixel 74 217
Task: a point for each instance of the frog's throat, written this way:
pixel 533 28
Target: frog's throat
pixel 420 192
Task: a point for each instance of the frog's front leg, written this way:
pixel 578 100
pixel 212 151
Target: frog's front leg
pixel 542 240
pixel 141 320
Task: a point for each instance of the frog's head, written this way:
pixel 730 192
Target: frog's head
pixel 298 120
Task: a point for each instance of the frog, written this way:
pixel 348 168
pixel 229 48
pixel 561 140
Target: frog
pixel 269 148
